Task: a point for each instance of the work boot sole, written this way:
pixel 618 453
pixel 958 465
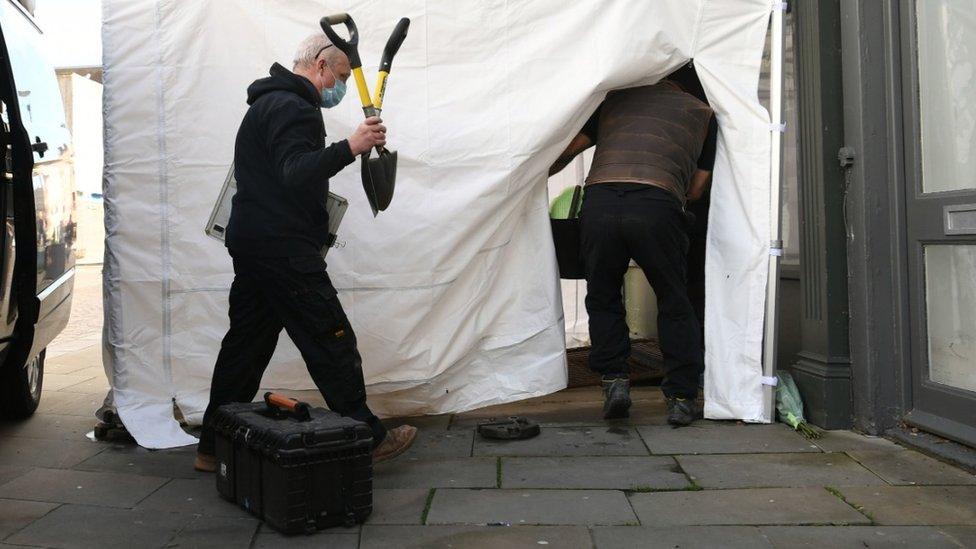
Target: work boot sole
pixel 617 408
pixel 407 443
pixel 681 422
pixel 681 418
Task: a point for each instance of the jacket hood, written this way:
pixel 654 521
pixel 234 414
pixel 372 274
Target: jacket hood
pixel 282 79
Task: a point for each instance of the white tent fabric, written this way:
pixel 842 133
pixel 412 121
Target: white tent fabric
pixel 453 291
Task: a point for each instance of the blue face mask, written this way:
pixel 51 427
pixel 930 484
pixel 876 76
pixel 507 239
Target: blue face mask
pixel 332 96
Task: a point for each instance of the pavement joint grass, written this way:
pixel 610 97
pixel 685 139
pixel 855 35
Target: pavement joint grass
pixel 427 504
pixel 859 508
pixel 643 489
pixel 498 472
pixel 693 485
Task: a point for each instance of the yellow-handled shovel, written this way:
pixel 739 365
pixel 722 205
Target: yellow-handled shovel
pixel 379 174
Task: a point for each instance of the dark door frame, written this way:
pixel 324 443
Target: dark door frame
pixel 933 406
pixel 875 205
pixel 877 46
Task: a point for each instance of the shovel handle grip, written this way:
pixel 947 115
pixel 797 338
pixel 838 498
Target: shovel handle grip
pixel 336 18
pixel 349 47
pixel 386 62
pixel 393 44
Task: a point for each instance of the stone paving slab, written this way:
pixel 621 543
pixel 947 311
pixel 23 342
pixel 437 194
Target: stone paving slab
pixel 65 344
pixel 964 536
pixel 206 531
pixel 15 514
pixel 8 473
pixel 83 487
pixel 416 472
pixel 565 414
pixel 608 472
pixel 530 507
pixel 120 458
pixel 57 382
pixel 425 423
pixel 712 437
pixel 398 506
pixel 333 538
pixel 916 505
pixel 72 404
pixel 685 537
pixel 744 507
pixel 198 496
pixel 73 362
pixel 441 444
pixel 568 441
pixel 474 537
pixel 37 452
pixel 856 537
pixel 776 470
pixel 84 527
pixel 96 385
pixel 911 468
pixel 847 441
pixel 49 426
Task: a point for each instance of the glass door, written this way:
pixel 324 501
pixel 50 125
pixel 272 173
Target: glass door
pixel 940 214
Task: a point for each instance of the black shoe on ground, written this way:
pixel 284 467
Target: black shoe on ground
pixel 616 398
pixel 681 411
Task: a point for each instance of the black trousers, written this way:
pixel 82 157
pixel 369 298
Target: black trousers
pixel 269 294
pixel 696 254
pixel 644 223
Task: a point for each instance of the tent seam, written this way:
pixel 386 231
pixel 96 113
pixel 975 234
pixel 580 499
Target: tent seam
pixel 165 258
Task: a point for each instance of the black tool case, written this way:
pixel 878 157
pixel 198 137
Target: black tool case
pixel 298 468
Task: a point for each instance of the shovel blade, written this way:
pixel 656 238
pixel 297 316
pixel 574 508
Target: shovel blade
pixel 379 179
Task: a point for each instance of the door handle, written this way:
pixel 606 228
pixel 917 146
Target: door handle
pixel 40 147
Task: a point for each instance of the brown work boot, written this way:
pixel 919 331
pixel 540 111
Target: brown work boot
pixel 397 441
pixel 205 462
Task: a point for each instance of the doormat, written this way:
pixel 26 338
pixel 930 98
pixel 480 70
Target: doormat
pixel 645 363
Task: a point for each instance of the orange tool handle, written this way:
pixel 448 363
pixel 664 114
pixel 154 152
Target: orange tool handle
pixel 281 401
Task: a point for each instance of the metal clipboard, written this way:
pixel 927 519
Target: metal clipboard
pixel 216 228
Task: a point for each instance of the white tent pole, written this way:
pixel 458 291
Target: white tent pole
pixel 771 333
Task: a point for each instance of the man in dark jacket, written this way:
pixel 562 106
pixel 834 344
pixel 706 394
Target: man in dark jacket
pixel 277 230
pixel 655 146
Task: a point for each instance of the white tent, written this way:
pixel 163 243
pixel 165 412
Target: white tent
pixel 453 290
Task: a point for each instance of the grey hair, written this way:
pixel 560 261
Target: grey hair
pixel 313 46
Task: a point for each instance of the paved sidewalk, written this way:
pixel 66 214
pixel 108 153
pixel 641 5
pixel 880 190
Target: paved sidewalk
pixel 583 483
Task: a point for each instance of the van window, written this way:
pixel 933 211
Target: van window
pixel 38 94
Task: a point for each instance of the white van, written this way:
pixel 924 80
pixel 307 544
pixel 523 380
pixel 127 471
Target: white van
pixel 37 262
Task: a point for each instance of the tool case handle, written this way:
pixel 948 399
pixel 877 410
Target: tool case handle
pixel 299 410
pixel 349 47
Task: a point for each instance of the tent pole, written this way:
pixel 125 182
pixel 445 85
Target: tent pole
pixel 771 332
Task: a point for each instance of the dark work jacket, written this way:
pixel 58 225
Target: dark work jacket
pixel 652 135
pixel 282 167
